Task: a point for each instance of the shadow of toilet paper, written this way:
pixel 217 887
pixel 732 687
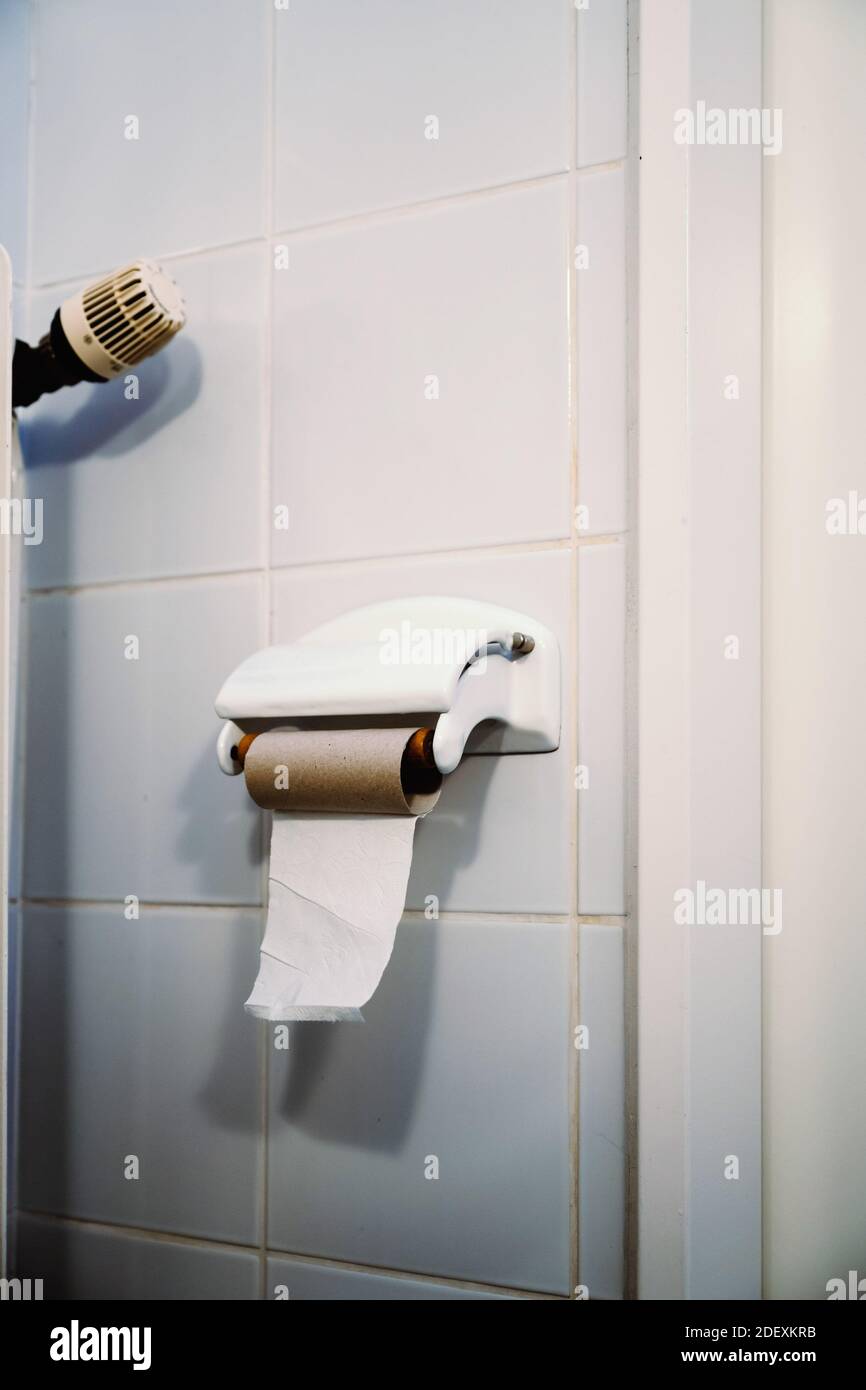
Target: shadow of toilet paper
pixel 221 824
pixel 447 839
pixel 357 1083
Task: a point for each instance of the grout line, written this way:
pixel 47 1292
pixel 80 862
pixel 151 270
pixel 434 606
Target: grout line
pixel 336 567
pixel 248 243
pixel 31 900
pixel 420 557
pixel 161 580
pixel 606 538
pixel 215 248
pixel 161 1237
pixel 266 1034
pixel 372 217
pixel 603 919
pixel 411 1275
pixel 607 166
pixel 630 932
pixel 478 916
pixel 267 435
pixel 375 217
pixel 481 917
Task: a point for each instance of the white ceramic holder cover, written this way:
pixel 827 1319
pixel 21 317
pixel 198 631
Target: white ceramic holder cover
pixel 472 663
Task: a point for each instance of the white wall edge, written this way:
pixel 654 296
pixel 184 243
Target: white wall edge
pixel 699 582
pixel 5 707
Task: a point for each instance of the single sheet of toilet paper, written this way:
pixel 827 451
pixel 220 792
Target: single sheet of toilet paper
pixel 337 891
pixel 341 852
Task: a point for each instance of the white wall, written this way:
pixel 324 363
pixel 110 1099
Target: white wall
pixel 815 654
pixel 699 492
pixel 305 127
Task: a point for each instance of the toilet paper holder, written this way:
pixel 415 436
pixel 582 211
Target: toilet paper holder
pixel 487 671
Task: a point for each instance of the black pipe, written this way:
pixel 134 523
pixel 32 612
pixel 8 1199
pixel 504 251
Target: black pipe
pixel 54 363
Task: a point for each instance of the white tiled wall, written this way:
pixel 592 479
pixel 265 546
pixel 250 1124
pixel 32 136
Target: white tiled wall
pixel 603 1138
pixel 165 484
pixel 78 1261
pixel 147 134
pixel 426 380
pixel 602 61
pixel 602 350
pixel 482 1013
pixel 375 213
pixel 132 1031
pixel 405 103
pixel 601 636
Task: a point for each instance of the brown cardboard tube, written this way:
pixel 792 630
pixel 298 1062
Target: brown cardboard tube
pixel 371 771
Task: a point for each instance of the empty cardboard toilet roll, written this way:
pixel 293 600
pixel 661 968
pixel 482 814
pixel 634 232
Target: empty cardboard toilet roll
pixel 345 806
pixel 366 771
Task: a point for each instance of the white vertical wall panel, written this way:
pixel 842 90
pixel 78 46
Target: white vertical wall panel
pixel 699 700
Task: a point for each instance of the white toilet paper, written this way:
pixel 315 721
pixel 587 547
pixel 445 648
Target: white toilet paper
pixel 337 891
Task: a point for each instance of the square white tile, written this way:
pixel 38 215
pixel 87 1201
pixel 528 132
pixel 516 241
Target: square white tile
pixel 397 101
pixel 134 1044
pixel 460 1069
pixel 194 177
pixel 602 351
pixel 96 1263
pixel 122 791
pixel 602 81
pixel 14 117
pixel 603 1158
pixel 501 837
pixel 171 480
pixel 371 322
pixel 601 721
pixel 305 1281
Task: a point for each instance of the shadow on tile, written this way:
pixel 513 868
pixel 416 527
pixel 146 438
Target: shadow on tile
pixel 224 1096
pixel 448 839
pixel 231 815
pixel 105 423
pixel 356 1084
